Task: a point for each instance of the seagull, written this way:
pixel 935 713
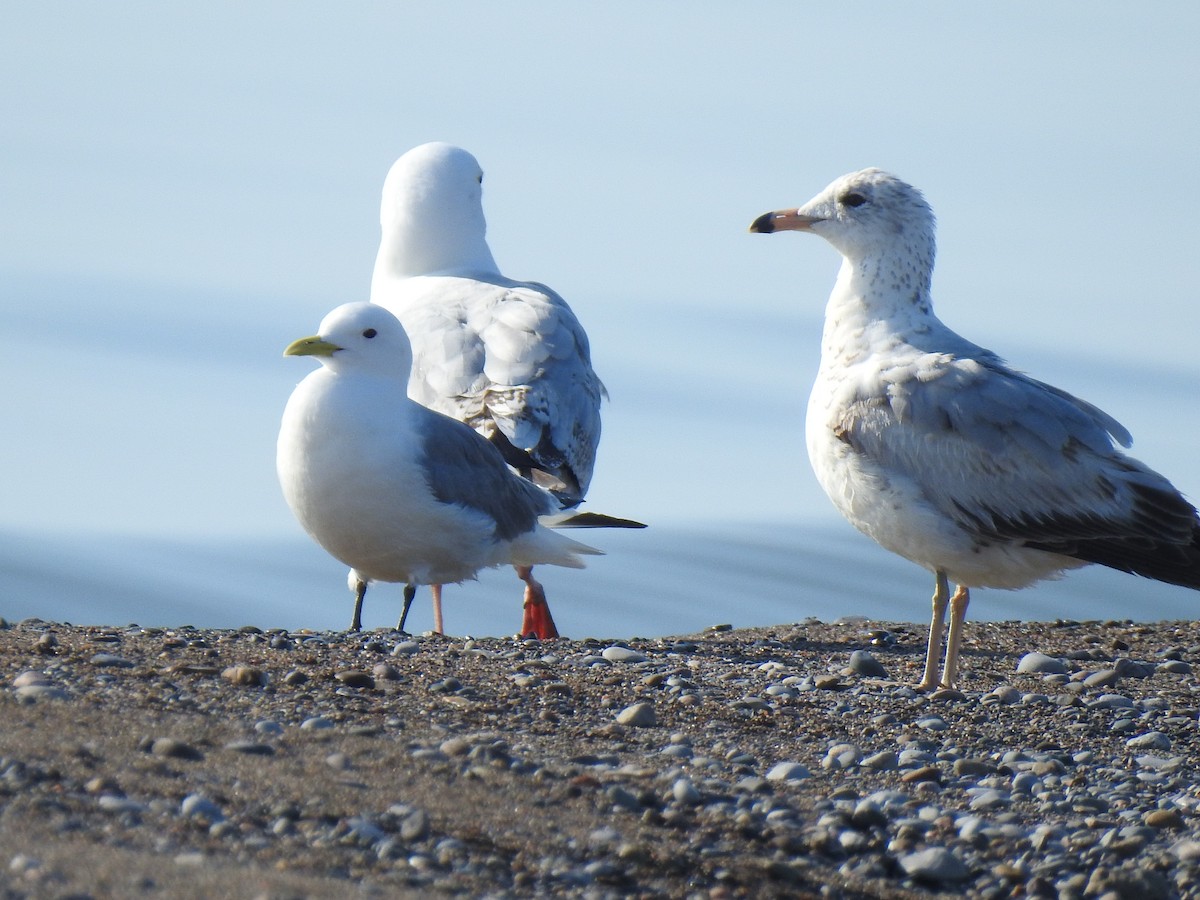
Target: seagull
pixel 394 490
pixel 936 449
pixel 508 358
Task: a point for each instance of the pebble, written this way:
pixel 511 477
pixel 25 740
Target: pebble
pixel 881 761
pixel 173 749
pixel 1040 663
pixel 862 662
pixel 111 661
pixel 249 676
pixel 355 678
pixel 1151 740
pixel 935 864
pixel 685 792
pixel 1079 792
pixel 197 806
pixel 639 715
pixel 250 748
pixel 620 654
pixel 841 756
pixel 1164 818
pixel 788 771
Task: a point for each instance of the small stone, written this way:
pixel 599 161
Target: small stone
pixel 355 678
pixel 110 661
pixel 32 693
pixel 405 648
pixel 862 662
pixel 384 672
pixel 45 644
pixel 1151 740
pixel 618 796
pixel 685 792
pixel 173 749
pixel 973 768
pixel 925 773
pixel 883 761
pixel 415 826
pixel 1163 818
pixel 1187 850
pixel 788 770
pixel 197 806
pixel 841 756
pixel 1040 663
pixel 936 864
pixel 868 814
pixel 455 746
pixel 639 715
pixel 1103 678
pixel 120 805
pixel 247 676
pixel 1111 701
pixel 622 655
pixel 295 677
pixel 250 748
pixel 339 762
pixel 988 800
pixel 316 723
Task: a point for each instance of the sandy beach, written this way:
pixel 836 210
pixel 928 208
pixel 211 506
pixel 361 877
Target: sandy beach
pixel 177 762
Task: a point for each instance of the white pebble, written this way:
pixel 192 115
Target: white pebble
pixel 788 771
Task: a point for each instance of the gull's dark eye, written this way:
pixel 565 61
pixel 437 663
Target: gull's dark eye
pixel 852 199
pixel 370 333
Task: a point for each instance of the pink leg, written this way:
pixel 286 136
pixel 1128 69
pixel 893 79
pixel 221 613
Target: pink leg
pixel 537 620
pixel 436 591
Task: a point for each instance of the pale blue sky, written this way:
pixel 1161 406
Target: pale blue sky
pixel 185 189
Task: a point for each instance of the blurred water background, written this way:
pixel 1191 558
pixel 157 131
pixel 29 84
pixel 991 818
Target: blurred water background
pixel 185 190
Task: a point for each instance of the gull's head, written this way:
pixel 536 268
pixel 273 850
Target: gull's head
pixel 360 337
pixel 432 211
pixel 862 214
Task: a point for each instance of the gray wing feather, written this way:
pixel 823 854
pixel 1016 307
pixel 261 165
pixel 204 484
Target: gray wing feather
pixel 464 469
pixel 992 448
pixel 512 357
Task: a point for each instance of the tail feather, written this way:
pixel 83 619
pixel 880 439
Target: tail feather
pixel 589 520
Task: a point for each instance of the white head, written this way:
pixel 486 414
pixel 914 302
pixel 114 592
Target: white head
pixel 432 214
pixel 359 337
pixel 864 214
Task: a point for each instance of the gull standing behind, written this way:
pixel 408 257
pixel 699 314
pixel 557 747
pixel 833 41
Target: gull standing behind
pixel 944 455
pixel 506 357
pixel 396 491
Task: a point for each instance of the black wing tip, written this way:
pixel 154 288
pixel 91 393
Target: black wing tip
pixel 599 520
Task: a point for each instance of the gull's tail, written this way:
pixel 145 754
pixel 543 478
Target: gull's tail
pixel 588 520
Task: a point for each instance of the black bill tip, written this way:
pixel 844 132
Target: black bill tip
pixel 764 224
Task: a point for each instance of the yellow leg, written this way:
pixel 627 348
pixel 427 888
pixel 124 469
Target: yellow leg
pixel 436 591
pixel 933 654
pixel 958 615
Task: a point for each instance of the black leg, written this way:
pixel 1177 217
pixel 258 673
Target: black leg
pixel 410 591
pixel 360 591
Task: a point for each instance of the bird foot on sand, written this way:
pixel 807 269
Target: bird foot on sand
pixel 537 621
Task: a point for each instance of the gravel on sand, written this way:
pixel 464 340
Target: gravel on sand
pixel 790 761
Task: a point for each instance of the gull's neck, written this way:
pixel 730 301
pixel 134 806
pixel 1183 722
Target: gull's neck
pixel 409 250
pixel 878 301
